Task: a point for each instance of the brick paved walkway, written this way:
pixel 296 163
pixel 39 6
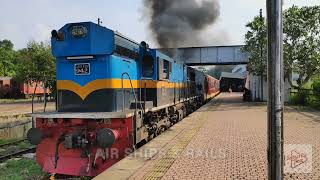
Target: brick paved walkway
pixel 228 140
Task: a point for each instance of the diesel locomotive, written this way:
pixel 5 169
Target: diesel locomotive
pixel 113 95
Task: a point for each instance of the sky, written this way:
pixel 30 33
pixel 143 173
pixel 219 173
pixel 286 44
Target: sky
pixel 23 21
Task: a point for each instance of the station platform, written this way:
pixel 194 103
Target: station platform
pixel 224 139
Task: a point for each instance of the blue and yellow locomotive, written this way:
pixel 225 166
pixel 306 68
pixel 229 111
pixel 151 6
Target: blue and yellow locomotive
pixel 113 94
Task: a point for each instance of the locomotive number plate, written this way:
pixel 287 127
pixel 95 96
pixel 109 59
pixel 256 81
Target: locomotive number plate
pixel 82 69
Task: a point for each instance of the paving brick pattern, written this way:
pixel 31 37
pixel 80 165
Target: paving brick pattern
pixel 232 143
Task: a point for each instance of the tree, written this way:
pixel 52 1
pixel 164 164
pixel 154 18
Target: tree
pixel 6 58
pixel 36 64
pixel 302 42
pixel 256 46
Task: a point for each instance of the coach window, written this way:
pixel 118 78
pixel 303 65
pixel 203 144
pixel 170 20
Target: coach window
pixel 147 66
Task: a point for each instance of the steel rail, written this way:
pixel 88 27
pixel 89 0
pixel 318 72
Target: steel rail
pixel 12 143
pixel 15 154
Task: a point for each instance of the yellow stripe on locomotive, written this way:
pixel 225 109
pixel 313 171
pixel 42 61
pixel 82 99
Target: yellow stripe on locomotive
pixel 84 91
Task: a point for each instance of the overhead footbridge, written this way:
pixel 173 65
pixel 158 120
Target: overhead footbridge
pixel 210 55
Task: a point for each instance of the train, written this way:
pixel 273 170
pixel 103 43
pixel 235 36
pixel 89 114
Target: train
pixel 113 96
pixel 12 89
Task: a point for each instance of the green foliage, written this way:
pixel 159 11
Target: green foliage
pixel 315 98
pixel 310 97
pixel 5 141
pixel 21 169
pixel 299 98
pixel 314 101
pixel 302 42
pixel 32 64
pixel 36 64
pixel 7 54
pixel 256 45
pixel 316 85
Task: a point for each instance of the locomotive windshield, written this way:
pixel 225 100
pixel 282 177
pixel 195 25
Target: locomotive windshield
pixel 147 66
pixel 79 31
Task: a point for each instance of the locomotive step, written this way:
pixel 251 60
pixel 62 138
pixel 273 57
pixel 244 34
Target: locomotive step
pixel 142 105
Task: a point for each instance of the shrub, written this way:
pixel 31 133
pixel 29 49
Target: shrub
pixel 315 99
pixel 316 85
pixel 299 98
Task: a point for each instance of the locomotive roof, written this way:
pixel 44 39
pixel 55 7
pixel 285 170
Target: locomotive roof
pixel 125 37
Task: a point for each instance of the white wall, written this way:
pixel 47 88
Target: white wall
pixel 253 83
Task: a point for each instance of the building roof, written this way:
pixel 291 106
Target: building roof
pixel 5 78
pixel 232 75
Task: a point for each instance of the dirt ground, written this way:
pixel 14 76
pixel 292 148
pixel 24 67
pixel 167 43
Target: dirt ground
pixel 22 108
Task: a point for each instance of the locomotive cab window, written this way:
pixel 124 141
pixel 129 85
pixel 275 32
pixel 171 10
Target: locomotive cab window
pixel 191 74
pixel 147 66
pixel 165 69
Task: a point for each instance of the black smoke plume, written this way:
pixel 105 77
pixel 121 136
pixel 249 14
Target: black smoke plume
pixel 180 22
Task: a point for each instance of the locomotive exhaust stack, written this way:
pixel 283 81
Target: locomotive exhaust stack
pixel 57 35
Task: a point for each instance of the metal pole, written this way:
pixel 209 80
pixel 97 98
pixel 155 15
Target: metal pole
pixel 275 85
pixel 261 56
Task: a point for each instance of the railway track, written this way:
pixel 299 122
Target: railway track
pixel 12 143
pixel 18 153
pixel 15 149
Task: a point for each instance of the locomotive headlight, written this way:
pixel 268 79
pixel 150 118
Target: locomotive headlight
pixel 107 137
pixel 79 31
pixel 35 136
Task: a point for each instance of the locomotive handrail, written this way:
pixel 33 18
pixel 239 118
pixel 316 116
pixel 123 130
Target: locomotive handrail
pixel 132 89
pixel 32 104
pixel 144 94
pixel 123 94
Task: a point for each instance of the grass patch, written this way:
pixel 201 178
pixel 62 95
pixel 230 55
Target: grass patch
pixel 5 141
pixel 314 101
pixel 20 170
pixel 13 101
pixel 10 101
pixel 304 98
pixel 24 145
pixel 14 147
